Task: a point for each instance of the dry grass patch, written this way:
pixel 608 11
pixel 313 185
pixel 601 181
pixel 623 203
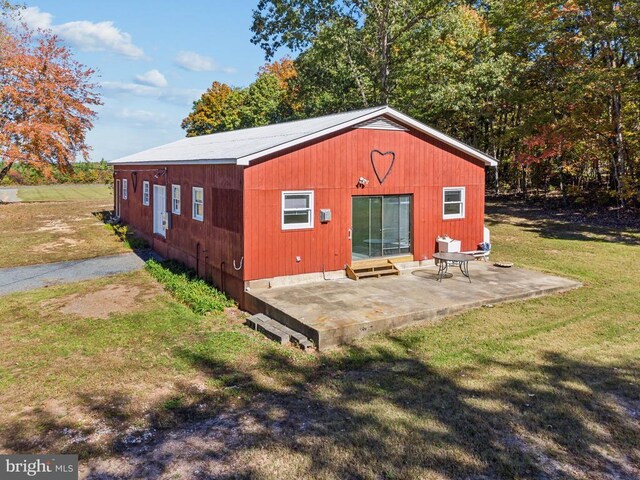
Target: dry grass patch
pixel 32 233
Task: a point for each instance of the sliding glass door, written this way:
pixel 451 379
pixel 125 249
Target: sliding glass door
pixel 381 226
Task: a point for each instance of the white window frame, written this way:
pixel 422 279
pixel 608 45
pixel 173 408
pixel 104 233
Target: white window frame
pixel 176 206
pixel 194 215
pixel 462 202
pixel 125 189
pixel 297 226
pixel 145 193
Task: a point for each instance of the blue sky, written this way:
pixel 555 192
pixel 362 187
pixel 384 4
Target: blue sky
pixel 153 58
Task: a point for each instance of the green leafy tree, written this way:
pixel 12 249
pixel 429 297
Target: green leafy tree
pixel 364 34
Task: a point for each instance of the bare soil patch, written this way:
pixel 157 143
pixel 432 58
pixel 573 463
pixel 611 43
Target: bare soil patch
pixel 114 298
pixel 58 226
pixel 51 247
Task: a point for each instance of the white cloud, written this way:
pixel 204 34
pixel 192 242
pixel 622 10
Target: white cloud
pixel 180 96
pixel 153 78
pixel 195 62
pixel 96 37
pixel 142 117
pixel 85 35
pixel 133 88
pixel 34 18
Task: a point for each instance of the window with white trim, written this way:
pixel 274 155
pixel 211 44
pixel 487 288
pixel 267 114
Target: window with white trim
pixel 452 202
pixel 145 193
pixel 125 189
pixel 175 199
pixel 297 210
pixel 197 200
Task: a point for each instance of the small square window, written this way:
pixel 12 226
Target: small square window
pixel 197 203
pixel 145 193
pixel 297 210
pixel 175 199
pixel 125 189
pixel 453 202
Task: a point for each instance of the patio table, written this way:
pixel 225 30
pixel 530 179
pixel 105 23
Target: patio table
pixel 454 259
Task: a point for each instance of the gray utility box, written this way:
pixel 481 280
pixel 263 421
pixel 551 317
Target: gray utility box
pixel 325 215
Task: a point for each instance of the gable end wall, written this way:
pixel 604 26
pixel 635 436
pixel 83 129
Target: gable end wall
pixel 331 168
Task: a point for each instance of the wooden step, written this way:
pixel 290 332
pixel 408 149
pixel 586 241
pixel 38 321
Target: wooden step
pixel 371 268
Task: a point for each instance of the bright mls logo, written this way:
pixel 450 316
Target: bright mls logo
pixel 51 467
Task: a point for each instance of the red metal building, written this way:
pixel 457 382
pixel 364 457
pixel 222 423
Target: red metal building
pixel 304 197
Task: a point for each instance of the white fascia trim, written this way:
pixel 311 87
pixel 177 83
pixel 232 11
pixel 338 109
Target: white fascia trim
pixel 224 161
pixel 444 138
pixel 247 159
pixel 489 161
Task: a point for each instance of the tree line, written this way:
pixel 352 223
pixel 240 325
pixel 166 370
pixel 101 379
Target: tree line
pixel 23 173
pixel 550 88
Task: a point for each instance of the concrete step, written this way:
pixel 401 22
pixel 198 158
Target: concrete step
pixel 278 332
pixel 262 324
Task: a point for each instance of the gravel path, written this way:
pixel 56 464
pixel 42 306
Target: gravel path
pixel 19 279
pixel 9 195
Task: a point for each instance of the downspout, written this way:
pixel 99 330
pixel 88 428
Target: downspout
pixel 222 273
pixel 197 258
pixel 206 258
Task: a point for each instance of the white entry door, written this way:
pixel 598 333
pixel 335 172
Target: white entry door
pixel 159 209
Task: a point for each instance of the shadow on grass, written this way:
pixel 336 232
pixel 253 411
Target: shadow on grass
pixel 373 413
pixel 560 224
pixel 124 233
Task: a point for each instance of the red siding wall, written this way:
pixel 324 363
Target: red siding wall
pixel 331 168
pixel 242 217
pixel 217 241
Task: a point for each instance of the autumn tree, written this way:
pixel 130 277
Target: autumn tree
pixel 576 89
pixel 46 100
pixel 217 110
pixel 269 99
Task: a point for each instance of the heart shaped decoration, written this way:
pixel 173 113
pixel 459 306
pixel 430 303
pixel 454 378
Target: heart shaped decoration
pixel 382 162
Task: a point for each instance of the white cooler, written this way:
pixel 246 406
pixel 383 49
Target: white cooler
pixel 448 245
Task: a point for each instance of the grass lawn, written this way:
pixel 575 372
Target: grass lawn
pixel 65 193
pixel 32 233
pixel 140 386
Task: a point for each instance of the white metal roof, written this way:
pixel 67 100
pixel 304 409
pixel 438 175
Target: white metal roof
pixel 245 145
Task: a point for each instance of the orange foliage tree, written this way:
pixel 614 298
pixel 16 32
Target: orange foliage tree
pixel 46 100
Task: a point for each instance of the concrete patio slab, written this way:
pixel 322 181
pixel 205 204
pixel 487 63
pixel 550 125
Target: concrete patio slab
pixel 339 311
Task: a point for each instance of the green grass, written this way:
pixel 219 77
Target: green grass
pixel 64 193
pixel 547 388
pixel 183 284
